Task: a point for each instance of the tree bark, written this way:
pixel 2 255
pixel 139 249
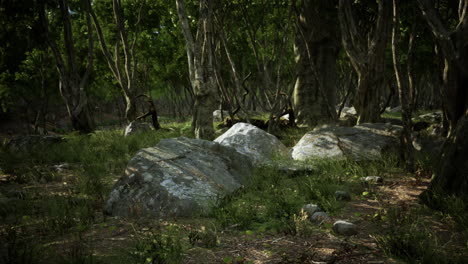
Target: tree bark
pixel 367 55
pixel 452 174
pixel 124 72
pixel 316 48
pixel 451 178
pixel 403 83
pixel 72 85
pixel 200 60
pixel 454 47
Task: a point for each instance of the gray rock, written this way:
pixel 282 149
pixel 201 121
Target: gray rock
pixel 136 127
pixel 295 170
pixel 342 196
pixel 320 218
pixel 178 177
pixel 344 228
pixel 311 209
pixel 363 142
pixel 348 120
pixel 372 179
pixel 30 142
pixel 250 140
pixel 394 109
pixel 435 117
pixel 348 111
pixel 217 117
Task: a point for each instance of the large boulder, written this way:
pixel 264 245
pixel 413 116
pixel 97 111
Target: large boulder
pixel 136 127
pixel 363 142
pixel 177 177
pixel 250 140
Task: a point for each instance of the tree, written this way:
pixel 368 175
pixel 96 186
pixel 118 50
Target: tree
pixel 452 173
pixel 403 82
pixel 124 71
pixel 200 62
pixel 73 85
pixel 367 55
pixel 454 48
pixel 316 47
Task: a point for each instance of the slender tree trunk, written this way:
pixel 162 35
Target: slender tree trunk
pixel 367 55
pixel 200 59
pixel 403 83
pixel 316 48
pixel 72 85
pixel 124 71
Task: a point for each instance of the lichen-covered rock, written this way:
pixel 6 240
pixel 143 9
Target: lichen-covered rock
pixel 344 228
pixel 136 127
pixel 250 140
pixel 363 142
pixel 311 209
pixel 348 111
pixel 320 218
pixel 178 177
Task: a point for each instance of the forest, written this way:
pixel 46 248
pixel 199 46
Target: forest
pixel 233 131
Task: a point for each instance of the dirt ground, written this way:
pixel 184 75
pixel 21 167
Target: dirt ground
pixel 112 236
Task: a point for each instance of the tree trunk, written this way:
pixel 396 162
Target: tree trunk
pixel 452 175
pixel 316 48
pixel 454 47
pixel 367 55
pixel 124 71
pixel 200 60
pixel 403 83
pixel 72 85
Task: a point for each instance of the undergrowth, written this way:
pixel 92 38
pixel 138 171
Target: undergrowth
pixel 80 171
pixel 272 200
pixel 410 235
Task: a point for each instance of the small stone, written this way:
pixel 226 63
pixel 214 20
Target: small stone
pixel 61 167
pixel 311 209
pixel 372 179
pixel 344 228
pixel 320 217
pixel 342 196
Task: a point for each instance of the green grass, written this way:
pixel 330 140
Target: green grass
pixel 272 201
pixel 94 162
pixel 411 236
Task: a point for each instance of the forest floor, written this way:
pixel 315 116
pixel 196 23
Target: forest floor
pixel 56 216
pixel 107 239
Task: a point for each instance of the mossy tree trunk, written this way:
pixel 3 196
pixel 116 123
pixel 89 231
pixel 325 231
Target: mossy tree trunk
pixel 316 49
pixel 200 60
pixel 367 55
